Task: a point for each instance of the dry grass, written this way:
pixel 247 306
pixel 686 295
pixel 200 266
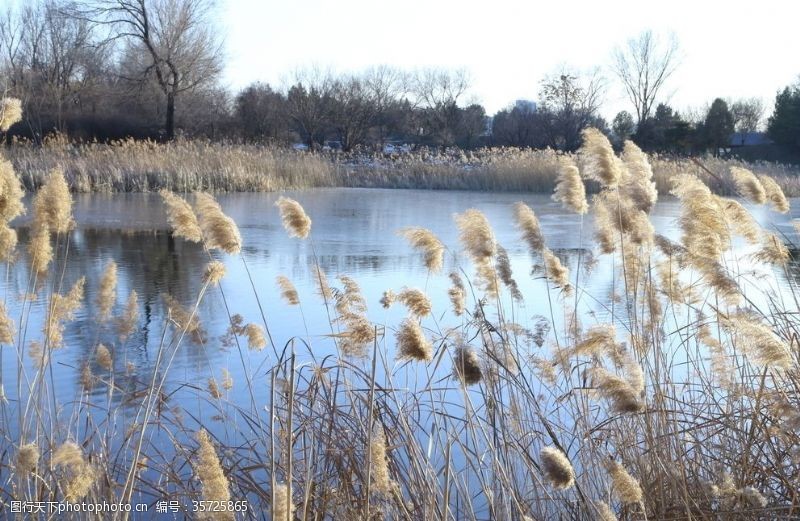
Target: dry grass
pixel 681 403
pixel 192 166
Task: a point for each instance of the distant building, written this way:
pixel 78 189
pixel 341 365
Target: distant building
pixel 525 105
pixel 749 139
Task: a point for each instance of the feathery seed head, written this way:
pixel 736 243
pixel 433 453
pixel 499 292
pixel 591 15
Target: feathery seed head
pixel 294 217
pixel 557 468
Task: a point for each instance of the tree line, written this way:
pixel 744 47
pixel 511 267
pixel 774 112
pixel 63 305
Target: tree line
pixel 109 69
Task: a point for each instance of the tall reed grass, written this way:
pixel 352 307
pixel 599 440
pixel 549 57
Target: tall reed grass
pixel 682 403
pixel 194 166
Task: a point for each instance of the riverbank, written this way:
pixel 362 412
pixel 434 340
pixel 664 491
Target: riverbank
pixel 189 166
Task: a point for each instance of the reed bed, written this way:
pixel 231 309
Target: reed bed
pixel 193 166
pixel 683 403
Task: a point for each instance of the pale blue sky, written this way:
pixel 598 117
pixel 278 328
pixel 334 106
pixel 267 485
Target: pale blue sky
pixel 729 49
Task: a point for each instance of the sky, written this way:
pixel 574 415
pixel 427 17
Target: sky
pixel 729 49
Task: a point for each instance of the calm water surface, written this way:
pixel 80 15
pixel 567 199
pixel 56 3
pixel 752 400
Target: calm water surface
pixel 353 233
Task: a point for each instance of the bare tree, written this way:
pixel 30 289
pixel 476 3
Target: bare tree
pixel 309 104
pixel 437 92
pixel 570 101
pixel 747 115
pixel 643 66
pixel 177 44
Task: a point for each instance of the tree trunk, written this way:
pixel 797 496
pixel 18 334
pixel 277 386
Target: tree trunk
pixel 170 125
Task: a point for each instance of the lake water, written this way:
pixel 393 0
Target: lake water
pixel 354 232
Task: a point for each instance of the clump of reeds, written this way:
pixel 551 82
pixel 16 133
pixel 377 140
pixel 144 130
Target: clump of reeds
pixel 557 468
pixel 570 191
pixel 215 485
pixel 428 244
pixel 288 291
pixel 107 293
pixel 181 217
pixel 10 112
pixel 294 217
pixel 219 230
pixel 79 475
pixel 412 343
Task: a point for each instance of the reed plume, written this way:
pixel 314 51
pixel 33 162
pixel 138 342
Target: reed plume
pixel 557 468
pixel 758 341
pixel 570 191
pixel 412 344
pixel 214 272
pixel 62 308
pixel 288 291
pixel 748 185
pixel 7 329
pixel 382 481
pixel 27 459
pixel 428 244
pixel 528 223
pixel 774 194
pixel 184 319
pixel 599 340
pixel 214 484
pixel 8 243
pixel 604 512
pixel 181 217
pixel 772 251
pixel 79 475
pixel 740 219
pixel 107 293
pixel 103 357
pixel 323 287
pixel 639 186
pixel 466 365
pixel 213 388
pixel 457 294
pixel 352 308
pixel 604 224
pixel 40 250
pixel 294 218
pixel 11 193
pixel 416 301
pixel 10 112
pixel 622 394
pixel 388 298
pixel 557 273
pixel 626 488
pixel 219 231
pixel 227 379
pixel 284 506
pixel 503 268
pixel 255 337
pixel 601 163
pixel 126 323
pixel 52 204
